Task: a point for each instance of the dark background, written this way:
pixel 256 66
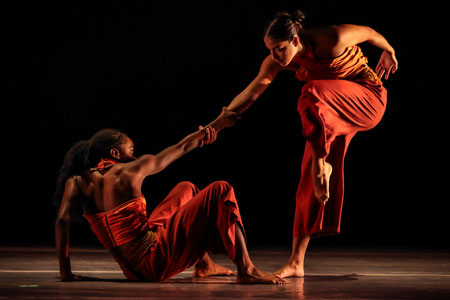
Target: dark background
pixel 158 69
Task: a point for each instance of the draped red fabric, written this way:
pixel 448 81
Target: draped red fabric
pixel 188 223
pixel 332 110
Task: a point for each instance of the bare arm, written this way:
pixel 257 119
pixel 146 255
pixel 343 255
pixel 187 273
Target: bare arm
pixel 151 164
pixel 62 229
pixel 349 35
pixel 250 94
pixel 267 73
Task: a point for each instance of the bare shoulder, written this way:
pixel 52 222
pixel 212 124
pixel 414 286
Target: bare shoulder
pixel 331 41
pixel 72 186
pixel 137 167
pixel 328 35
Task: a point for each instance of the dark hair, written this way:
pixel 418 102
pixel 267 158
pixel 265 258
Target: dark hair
pixel 86 154
pixel 101 143
pixel 285 25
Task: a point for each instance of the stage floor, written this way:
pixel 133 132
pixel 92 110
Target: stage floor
pixel 31 273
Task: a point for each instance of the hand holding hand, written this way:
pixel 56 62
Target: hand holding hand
pixel 388 62
pixel 210 135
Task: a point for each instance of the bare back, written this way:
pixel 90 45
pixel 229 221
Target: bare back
pixel 104 190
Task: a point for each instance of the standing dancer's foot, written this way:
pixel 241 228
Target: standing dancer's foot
pixel 291 270
pixel 252 275
pixel 321 173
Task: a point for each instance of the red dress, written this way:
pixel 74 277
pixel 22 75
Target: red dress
pixel 342 96
pixel 181 229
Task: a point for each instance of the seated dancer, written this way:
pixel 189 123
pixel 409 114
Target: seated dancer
pixel 105 178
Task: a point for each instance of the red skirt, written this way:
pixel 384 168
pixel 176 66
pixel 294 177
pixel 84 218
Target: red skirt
pixel 190 222
pixel 332 112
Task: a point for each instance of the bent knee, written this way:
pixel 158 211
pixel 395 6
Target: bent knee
pixel 221 186
pixel 187 185
pixel 311 87
pixel 309 96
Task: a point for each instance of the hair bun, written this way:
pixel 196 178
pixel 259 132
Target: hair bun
pixel 285 25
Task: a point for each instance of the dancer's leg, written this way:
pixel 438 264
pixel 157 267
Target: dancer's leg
pixel 207 267
pixel 181 194
pixel 295 266
pixel 247 271
pixel 209 222
pixel 321 173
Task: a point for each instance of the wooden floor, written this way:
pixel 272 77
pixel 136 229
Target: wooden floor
pixel 31 273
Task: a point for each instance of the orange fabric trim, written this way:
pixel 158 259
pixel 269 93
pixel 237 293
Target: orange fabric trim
pixel 347 66
pixel 105 163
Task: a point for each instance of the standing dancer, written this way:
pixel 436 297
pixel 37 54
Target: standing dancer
pixel 342 96
pixel 104 177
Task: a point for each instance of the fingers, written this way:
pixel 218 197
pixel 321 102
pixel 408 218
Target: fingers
pixel 380 70
pixel 213 134
pixel 387 73
pixel 210 135
pixel 394 68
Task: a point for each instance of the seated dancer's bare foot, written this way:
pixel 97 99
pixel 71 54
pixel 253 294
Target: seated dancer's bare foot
pixel 321 173
pixel 252 276
pixel 210 268
pixel 290 270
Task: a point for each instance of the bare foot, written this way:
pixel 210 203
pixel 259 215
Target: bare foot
pixel 211 269
pixel 321 172
pixel 290 270
pixel 253 275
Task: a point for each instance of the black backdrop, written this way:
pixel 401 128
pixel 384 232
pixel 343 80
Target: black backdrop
pixel 158 69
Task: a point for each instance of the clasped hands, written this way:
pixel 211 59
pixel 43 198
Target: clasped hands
pixel 226 118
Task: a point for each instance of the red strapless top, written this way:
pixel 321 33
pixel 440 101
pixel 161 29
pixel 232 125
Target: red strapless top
pixel 120 225
pixel 350 65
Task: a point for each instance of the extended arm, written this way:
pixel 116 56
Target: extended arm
pixel 151 164
pixel 248 96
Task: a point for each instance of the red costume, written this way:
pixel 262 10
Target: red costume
pixel 343 95
pixel 181 229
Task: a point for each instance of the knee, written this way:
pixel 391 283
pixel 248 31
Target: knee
pixel 313 87
pixel 187 185
pixel 308 97
pixel 221 186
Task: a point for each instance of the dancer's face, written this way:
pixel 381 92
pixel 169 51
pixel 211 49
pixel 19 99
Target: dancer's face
pixel 282 51
pixel 126 150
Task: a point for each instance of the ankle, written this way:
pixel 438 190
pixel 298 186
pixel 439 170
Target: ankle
pixel 245 267
pixel 295 262
pixel 202 264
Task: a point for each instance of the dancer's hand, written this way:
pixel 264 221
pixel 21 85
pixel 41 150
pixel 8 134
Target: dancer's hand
pixel 388 62
pixel 210 135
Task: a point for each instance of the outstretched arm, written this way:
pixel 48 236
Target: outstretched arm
pixel 151 164
pixel 248 96
pixel 349 35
